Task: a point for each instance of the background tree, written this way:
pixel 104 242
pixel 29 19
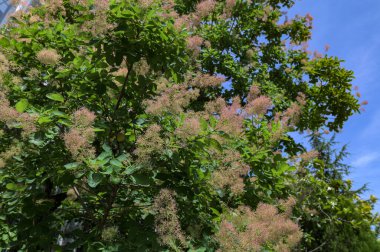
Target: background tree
pixel 161 125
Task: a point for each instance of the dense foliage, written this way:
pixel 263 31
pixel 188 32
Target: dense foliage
pixel 155 125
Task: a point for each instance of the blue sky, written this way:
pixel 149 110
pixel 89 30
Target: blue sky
pixel 352 30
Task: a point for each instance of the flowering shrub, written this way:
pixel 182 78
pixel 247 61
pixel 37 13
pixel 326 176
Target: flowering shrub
pixel 154 125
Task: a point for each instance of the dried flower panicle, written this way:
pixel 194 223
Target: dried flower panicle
pixel 288 205
pixel 78 139
pixel 166 220
pixel 110 233
pixel 149 143
pixel 230 175
pixel 121 72
pixel 172 100
pixel 12 151
pixel 206 80
pixel 228 8
pixel 182 22
pixel 194 44
pixel 141 67
pixel 231 119
pixel 190 127
pixel 145 3
pixel 248 230
pixel 12 117
pixel 54 6
pixel 254 92
pixel 215 106
pixel 4 65
pixel 306 157
pixel 258 106
pixel 204 8
pixel 83 117
pixel 291 116
pixel 98 25
pixel 48 56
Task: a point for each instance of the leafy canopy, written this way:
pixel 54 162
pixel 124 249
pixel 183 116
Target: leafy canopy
pixel 161 125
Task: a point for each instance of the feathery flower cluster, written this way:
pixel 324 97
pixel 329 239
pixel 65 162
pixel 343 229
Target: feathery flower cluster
pixel 250 231
pixel 168 5
pixel 33 73
pixel 149 143
pixel 231 119
pixel 77 142
pixel 48 56
pixel 181 22
pixel 166 220
pixel 258 106
pixel 168 8
pixel 309 19
pixel 191 127
pixel 317 55
pixel 327 48
pixel 207 80
pixel 11 117
pixel 145 3
pixel 121 72
pixel 291 115
pixel 13 151
pixel 231 173
pixel 4 65
pixel 215 106
pixel 78 139
pixel 230 4
pixel 308 156
pixel 141 67
pixel 99 24
pixel 288 206
pixel 172 100
pixel 53 7
pixel 79 2
pixel 204 8
pixel 101 5
pixel 83 117
pixel 254 92
pixel 194 44
pixel 110 233
pixel 34 19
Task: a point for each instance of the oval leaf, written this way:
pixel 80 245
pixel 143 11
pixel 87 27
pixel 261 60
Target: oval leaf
pixel 22 105
pixel 55 97
pixel 94 179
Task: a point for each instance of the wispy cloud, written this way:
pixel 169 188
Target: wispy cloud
pixel 366 159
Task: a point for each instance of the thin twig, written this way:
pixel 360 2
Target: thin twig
pixel 320 246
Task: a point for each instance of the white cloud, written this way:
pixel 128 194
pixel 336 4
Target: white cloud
pixel 366 159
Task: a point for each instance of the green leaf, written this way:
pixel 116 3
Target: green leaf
pixel 44 119
pixel 132 169
pixel 99 130
pixel 116 162
pixel 55 97
pixel 70 166
pixel 140 179
pixel 22 105
pixel 12 186
pixel 94 179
